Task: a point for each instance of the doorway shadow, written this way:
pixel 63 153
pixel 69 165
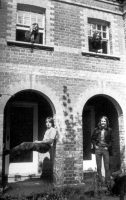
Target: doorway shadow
pixel 47 165
pixel 47 170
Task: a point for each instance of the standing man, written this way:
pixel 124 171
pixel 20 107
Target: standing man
pixel 102 145
pixel 39 146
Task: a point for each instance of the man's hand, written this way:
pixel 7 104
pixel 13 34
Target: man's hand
pixel 50 141
pixel 106 148
pixel 36 141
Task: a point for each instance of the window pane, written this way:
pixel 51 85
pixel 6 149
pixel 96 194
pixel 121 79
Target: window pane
pixel 27 19
pixel 39 38
pixel 19 18
pixel 33 18
pixel 104 28
pixel 90 45
pixel 99 27
pixel 99 46
pixel 96 47
pixel 94 26
pixel 40 21
pixel 20 35
pixel 104 46
pixel 104 35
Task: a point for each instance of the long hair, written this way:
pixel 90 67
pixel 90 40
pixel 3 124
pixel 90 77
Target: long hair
pixel 106 119
pixel 51 120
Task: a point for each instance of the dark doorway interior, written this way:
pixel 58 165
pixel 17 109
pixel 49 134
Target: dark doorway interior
pixel 21 129
pixel 21 118
pixel 44 107
pixel 100 105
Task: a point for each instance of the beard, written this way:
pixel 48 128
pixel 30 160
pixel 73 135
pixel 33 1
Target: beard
pixel 103 126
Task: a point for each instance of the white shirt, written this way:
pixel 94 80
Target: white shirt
pixel 50 134
pixel 102 135
pixel 102 141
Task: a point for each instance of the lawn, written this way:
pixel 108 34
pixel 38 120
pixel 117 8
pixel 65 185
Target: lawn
pixel 37 189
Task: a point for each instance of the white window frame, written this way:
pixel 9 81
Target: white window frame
pixel 91 30
pixel 23 26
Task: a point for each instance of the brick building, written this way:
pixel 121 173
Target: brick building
pixel 64 75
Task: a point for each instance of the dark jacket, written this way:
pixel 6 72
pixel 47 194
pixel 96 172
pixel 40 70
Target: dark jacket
pixel 95 139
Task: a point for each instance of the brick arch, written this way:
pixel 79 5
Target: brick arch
pixel 115 97
pixel 51 96
pixel 119 103
pixel 43 89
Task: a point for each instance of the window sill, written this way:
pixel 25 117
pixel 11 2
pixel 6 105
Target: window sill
pixel 29 45
pixel 99 55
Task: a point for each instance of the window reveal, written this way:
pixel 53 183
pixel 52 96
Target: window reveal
pixel 25 20
pixel 101 30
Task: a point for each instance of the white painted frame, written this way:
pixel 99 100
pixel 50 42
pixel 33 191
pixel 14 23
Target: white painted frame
pixel 106 39
pixel 90 163
pixel 23 26
pixel 25 168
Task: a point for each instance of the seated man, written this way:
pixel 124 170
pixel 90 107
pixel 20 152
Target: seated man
pixel 39 146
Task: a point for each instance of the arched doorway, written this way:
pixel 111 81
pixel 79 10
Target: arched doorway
pixel 24 120
pixel 94 108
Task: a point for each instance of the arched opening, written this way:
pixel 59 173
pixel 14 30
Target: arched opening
pixel 24 121
pixel 94 108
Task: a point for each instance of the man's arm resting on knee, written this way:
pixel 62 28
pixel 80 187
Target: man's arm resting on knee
pixel 49 139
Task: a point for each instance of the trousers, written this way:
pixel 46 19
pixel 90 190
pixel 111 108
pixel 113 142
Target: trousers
pixel 100 153
pixel 30 146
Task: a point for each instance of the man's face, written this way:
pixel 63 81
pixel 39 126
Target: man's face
pixel 48 124
pixel 103 122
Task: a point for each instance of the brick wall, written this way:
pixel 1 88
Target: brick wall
pixel 66 31
pixel 125 22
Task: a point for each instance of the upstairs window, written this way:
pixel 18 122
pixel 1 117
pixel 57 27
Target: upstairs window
pixel 26 17
pixel 98 36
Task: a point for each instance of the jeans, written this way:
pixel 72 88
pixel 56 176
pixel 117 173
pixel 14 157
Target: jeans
pixel 102 152
pixel 30 146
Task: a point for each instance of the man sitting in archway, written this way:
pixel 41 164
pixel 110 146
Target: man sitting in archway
pixel 39 146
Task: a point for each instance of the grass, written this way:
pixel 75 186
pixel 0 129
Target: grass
pixel 37 189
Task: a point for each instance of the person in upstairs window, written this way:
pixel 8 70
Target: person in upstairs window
pixel 102 145
pixel 39 146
